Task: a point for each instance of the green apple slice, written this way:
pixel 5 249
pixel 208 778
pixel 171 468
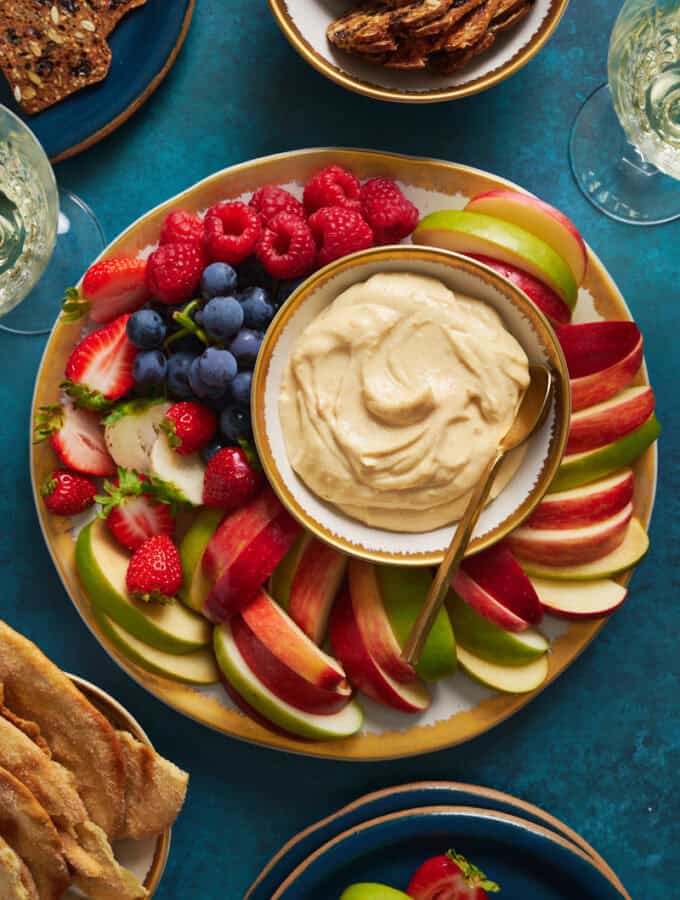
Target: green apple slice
pixel 184 473
pixel 198 667
pixel 369 890
pixel 509 679
pixel 489 641
pixel 102 565
pixel 282 577
pixel 315 727
pixel 403 592
pixel 477 234
pixel 582 468
pixel 628 554
pixel 196 585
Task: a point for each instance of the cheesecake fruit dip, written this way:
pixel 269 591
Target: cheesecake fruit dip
pixel 395 398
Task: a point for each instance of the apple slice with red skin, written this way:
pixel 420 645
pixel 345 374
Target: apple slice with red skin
pixel 363 672
pixel 501 577
pixel 540 219
pixel 574 600
pixel 251 712
pixel 584 505
pixel 287 683
pixel 539 293
pixel 485 604
pixel 279 634
pixel 572 546
pixel 606 422
pixel 602 358
pixel 373 622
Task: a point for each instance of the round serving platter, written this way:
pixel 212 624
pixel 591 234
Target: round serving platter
pixel 461 709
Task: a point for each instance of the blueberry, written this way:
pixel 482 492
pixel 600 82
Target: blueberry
pixel 286 288
pixel 257 310
pixel 149 368
pixel 216 368
pixel 245 347
pixel 146 329
pixel 239 389
pixel 222 317
pixel 235 425
pixel 210 450
pixel 218 280
pixel 202 390
pixel 252 273
pixel 179 365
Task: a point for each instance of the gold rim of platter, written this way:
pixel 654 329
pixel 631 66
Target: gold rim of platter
pixel 297 166
pixel 476 790
pixel 369 89
pixel 412 253
pixel 119 717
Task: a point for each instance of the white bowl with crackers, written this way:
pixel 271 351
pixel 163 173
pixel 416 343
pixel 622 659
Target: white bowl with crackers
pixel 418 51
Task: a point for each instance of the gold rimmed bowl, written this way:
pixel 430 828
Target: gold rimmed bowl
pixel 304 23
pixel 523 320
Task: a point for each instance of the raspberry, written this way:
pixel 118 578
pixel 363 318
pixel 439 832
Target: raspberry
pixel 339 231
pixel 286 248
pixel 231 232
pixel 182 227
pixel 388 212
pixel 270 200
pixel 333 186
pixel 173 272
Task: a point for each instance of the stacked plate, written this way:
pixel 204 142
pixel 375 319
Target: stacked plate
pixel 385 836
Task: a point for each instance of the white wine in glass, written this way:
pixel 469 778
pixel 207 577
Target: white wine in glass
pixel 46 238
pixel 625 143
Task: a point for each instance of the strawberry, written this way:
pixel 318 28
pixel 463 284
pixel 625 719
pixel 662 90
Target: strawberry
pixel 77 437
pixel 230 480
pixel 189 426
pixel 67 494
pixel 450 877
pixel 110 287
pixel 154 572
pixel 132 511
pixel 99 369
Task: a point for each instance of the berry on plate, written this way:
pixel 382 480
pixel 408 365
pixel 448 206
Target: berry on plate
pixel 189 427
pixel 257 308
pixel 146 329
pixel 450 877
pixel 338 232
pixel 173 272
pixel 333 186
pixel 179 365
pixel 99 369
pixel 239 389
pixel 211 372
pixel 286 248
pixel 132 511
pixel 270 200
pixel 155 572
pixel 67 494
pixel 235 424
pixel 110 287
pixel 389 214
pixel 219 279
pixel 230 480
pixel 150 369
pixel 245 347
pixel 77 437
pixel 222 317
pixel 232 230
pixel 182 227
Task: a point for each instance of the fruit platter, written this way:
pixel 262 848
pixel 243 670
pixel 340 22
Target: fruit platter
pixel 182 559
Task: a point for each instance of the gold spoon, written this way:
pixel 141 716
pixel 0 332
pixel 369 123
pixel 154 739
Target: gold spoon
pixel 532 411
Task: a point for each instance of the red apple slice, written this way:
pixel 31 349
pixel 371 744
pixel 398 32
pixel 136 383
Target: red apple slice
pixel 373 623
pixel 287 683
pixel 539 293
pixel 606 422
pixel 363 671
pixel 584 505
pixel 602 358
pixel 237 530
pixel 540 219
pixel 576 600
pixel 573 546
pixel 315 582
pixel 499 574
pixel 486 605
pixel 275 629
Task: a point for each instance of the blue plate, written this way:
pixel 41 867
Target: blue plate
pixel 137 68
pixel 410 796
pixel 528 862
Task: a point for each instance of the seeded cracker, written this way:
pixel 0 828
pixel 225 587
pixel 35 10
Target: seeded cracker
pixel 50 49
pixel 112 11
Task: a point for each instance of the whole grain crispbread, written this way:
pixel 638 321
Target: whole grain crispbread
pixel 112 11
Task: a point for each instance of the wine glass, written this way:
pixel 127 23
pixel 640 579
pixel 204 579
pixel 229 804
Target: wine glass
pixel 625 144
pixel 46 237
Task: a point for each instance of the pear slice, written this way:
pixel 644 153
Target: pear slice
pixel 131 431
pixel 509 679
pixel 184 473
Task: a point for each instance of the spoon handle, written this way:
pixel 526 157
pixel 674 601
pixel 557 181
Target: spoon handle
pixel 450 564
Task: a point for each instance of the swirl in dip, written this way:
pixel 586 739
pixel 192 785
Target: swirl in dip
pixel 396 397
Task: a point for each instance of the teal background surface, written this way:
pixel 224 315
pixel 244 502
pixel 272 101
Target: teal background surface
pixel 600 749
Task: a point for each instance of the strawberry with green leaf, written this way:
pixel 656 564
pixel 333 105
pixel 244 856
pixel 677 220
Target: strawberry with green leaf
pixel 99 369
pixel 76 436
pixel 450 877
pixel 110 287
pixel 190 426
pixel 136 509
